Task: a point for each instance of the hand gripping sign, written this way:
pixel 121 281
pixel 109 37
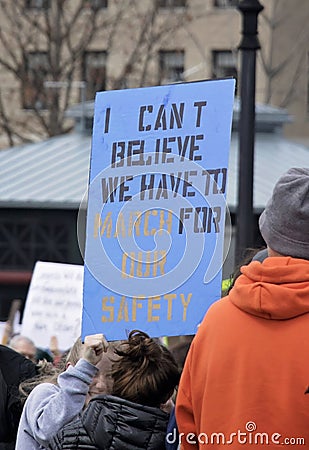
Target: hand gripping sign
pixel 156 208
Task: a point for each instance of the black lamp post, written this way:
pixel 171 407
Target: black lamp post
pixel 248 46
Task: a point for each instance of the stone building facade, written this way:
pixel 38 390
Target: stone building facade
pixel 114 44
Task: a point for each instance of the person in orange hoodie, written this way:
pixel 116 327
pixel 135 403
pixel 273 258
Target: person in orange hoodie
pixel 247 370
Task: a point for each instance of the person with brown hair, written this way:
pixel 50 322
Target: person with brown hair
pixel 57 398
pixel 144 375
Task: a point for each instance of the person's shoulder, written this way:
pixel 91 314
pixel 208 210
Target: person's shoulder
pixel 113 405
pixel 219 306
pixel 41 392
pixel 216 312
pixel 45 388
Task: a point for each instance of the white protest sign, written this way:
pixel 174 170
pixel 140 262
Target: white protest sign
pixel 54 304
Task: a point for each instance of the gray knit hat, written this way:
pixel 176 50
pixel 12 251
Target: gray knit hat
pixel 284 224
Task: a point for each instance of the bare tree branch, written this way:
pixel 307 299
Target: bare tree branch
pixel 38 45
pixel 5 123
pixel 275 22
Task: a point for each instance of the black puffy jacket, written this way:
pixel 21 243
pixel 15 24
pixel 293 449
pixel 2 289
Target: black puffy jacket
pixel 111 423
pixel 14 368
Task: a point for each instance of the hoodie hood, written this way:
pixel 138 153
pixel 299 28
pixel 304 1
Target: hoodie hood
pixel 277 288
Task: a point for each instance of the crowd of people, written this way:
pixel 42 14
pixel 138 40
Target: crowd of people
pixel 241 381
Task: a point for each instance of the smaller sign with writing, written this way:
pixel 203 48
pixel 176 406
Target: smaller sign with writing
pixel 54 304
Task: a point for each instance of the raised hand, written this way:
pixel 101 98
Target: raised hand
pixel 94 347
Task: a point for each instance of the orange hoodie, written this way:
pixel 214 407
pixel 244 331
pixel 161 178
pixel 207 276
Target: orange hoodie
pixel 244 381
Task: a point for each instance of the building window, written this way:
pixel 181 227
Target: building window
pixel 171 66
pixel 38 4
pixel 34 92
pixel 95 4
pixel 94 72
pixel 224 64
pixel 172 3
pixel 226 3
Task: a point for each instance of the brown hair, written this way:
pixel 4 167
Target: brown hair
pixel 145 372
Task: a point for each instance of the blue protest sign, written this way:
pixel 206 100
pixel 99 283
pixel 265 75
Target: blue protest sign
pixel 156 208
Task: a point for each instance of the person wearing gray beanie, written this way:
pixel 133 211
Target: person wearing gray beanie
pixel 284 224
pixel 248 364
